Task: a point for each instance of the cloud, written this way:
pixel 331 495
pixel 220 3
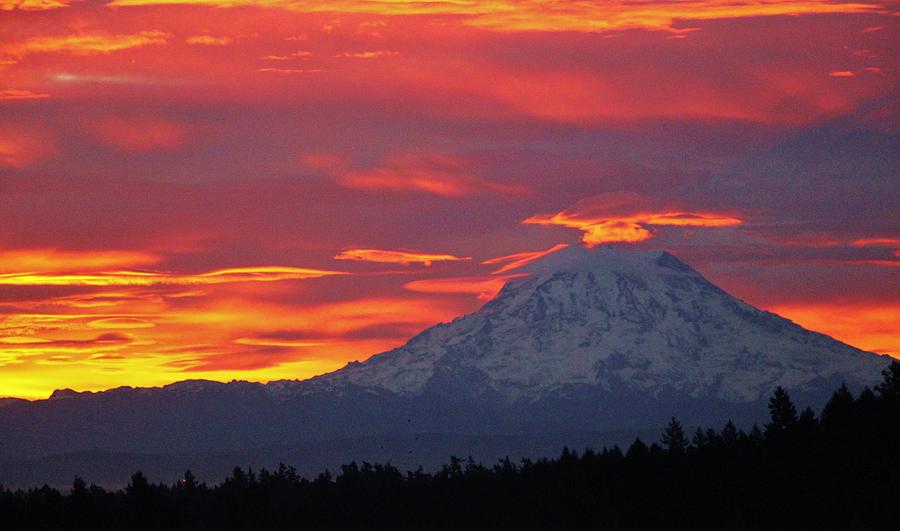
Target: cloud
pixel 56 260
pixel 518 260
pixel 32 5
pixel 120 323
pixel 18 94
pixel 434 173
pixel 299 54
pixel 485 288
pixel 277 342
pixel 876 242
pixel 371 54
pixel 290 70
pixel 397 257
pixel 22 146
pixel 626 217
pixel 546 15
pixel 142 278
pixel 84 44
pixel 104 79
pixel 139 134
pixel 47 346
pixel 208 40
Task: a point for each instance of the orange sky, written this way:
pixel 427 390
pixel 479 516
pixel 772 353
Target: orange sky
pixel 263 190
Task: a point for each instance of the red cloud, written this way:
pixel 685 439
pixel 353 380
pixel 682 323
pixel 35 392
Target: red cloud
pixel 485 288
pixel 436 174
pixel 18 94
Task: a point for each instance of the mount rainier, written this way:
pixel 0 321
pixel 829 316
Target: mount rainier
pixel 607 318
pixel 595 342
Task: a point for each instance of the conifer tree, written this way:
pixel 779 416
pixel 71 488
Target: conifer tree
pixel 889 389
pixel 782 413
pixel 699 439
pixel 729 433
pixel 673 438
pixel 637 449
pixel 839 408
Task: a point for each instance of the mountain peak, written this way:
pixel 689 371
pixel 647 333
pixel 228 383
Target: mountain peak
pixel 577 258
pixel 606 319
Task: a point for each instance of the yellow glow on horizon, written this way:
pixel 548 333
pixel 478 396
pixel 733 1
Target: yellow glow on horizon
pixel 870 327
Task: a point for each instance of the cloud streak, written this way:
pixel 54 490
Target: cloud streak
pixel 546 15
pixel 433 173
pixel 84 44
pixel 486 287
pixel 397 257
pixel 517 260
pixel 142 278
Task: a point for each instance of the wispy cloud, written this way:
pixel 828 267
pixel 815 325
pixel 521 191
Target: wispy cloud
pixel 435 173
pixel 208 40
pixel 626 217
pixel 397 257
pixel 19 94
pixel 290 70
pixel 32 5
pixel 517 260
pixel 142 278
pixel 546 15
pixel 485 287
pixel 19 261
pixel 84 43
pixel 144 133
pixel 370 54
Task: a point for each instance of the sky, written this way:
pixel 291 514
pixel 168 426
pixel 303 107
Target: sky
pixel 228 189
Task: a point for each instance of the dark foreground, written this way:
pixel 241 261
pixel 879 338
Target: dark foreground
pixel 840 470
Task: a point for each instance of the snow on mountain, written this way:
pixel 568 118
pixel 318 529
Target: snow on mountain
pixel 608 318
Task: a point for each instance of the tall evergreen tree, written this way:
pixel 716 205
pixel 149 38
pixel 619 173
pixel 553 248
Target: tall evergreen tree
pixel 637 450
pixel 782 413
pixel 699 440
pixel 673 438
pixel 839 408
pixel 889 389
pixel 729 433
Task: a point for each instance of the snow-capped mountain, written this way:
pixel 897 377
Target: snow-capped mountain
pixel 594 345
pixel 607 319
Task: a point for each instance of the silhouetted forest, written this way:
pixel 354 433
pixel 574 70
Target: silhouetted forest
pixel 836 470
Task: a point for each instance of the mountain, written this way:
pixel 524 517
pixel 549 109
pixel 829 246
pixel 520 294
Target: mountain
pixel 594 345
pixel 608 318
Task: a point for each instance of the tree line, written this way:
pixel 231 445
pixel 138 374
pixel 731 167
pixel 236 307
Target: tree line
pixel 839 469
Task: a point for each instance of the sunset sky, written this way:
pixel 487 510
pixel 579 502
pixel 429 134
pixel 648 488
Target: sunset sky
pixel 235 189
